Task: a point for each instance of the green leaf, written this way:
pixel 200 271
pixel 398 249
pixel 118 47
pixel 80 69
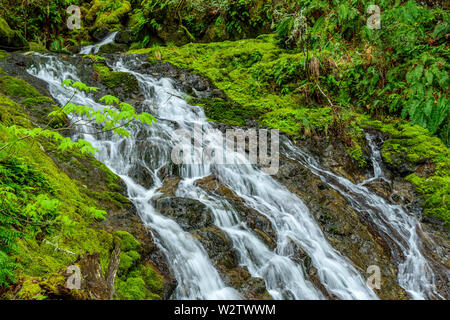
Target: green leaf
pixel 109 100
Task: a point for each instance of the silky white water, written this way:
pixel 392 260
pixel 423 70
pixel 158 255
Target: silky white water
pixel 400 227
pixel 150 148
pixel 93 49
pixel 289 216
pixel 196 276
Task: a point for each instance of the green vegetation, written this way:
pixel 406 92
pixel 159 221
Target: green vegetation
pixel 46 218
pixel 325 73
pixel 112 79
pixel 412 150
pixel 310 68
pixel 136 281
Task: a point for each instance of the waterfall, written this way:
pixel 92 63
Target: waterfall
pixel 398 227
pixel 197 278
pixel 377 162
pixel 93 49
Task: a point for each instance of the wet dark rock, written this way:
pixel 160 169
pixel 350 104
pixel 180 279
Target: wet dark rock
pixel 380 187
pixel 342 225
pixel 218 245
pixel 332 154
pixel 142 176
pixel 11 40
pixel 256 221
pixel 100 33
pixel 221 252
pixel 190 214
pixel 170 186
pixel 74 49
pixel 125 37
pixel 168 170
pixel 112 48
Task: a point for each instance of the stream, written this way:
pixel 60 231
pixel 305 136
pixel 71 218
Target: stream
pixel 150 147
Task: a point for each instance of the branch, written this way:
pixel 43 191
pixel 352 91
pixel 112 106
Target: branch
pixel 320 89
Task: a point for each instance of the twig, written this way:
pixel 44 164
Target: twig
pixel 320 89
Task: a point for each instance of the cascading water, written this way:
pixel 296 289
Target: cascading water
pixel 93 49
pixel 289 216
pixel 291 220
pixel 197 278
pixel 400 228
pixel 377 162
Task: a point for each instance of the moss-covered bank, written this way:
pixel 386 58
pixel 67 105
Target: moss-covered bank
pixel 71 192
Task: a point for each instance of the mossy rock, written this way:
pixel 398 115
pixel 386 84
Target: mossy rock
pixel 226 111
pixel 52 286
pixel 17 88
pixel 36 47
pixel 4 54
pixel 125 37
pixel 425 161
pixel 143 283
pixel 108 19
pixel 112 48
pixel 41 259
pixel 136 281
pixel 116 80
pixel 11 40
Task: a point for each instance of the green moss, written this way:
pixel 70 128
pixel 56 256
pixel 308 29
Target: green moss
pixel 52 286
pixel 80 235
pixel 114 197
pixel 93 57
pixel 130 252
pixel 128 260
pixel 153 279
pixel 4 54
pixel 17 87
pixel 5 29
pixel 136 281
pixel 29 102
pixel 143 283
pixel 292 121
pixel 411 148
pixel 435 191
pixel 106 18
pixel 12 113
pixel 31 290
pixel 409 145
pixel 113 79
pixel 11 38
pixel 37 47
pixel 127 241
pixel 261 79
pixel 225 111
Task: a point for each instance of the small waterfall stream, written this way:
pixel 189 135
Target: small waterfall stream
pixel 398 227
pixel 150 148
pixel 93 49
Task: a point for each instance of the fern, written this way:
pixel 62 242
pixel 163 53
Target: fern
pixel 7 266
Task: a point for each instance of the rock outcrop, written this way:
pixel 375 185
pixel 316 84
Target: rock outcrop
pixel 11 40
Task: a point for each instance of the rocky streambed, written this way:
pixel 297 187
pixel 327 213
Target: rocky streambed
pixel 346 226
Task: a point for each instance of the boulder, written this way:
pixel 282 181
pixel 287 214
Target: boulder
pixel 11 40
pixel 190 214
pixel 256 221
pixel 125 37
pixel 113 48
pixel 100 33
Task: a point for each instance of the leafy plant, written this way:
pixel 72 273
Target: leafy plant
pixel 28 206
